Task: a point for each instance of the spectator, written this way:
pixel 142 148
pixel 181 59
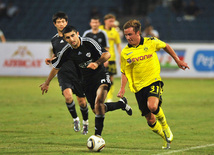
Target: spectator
pixel 150 32
pixel 178 7
pixel 191 11
pixel 12 10
pixel 2 9
pixel 3 39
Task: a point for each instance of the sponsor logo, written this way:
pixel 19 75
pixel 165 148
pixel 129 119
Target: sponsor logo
pixel 141 57
pixel 22 58
pixel 203 60
pixel 79 53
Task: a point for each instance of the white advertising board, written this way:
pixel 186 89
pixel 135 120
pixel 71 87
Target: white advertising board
pixel 28 59
pixel 24 59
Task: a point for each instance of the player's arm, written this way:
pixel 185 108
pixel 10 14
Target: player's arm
pixel 3 39
pixel 48 60
pixel 45 85
pixel 123 85
pixel 181 64
pixel 104 57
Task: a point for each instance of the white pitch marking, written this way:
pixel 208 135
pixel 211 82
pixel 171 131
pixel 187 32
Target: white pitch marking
pixel 186 149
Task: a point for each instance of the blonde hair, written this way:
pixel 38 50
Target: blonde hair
pixel 109 16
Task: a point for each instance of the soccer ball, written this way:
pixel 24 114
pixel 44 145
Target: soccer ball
pixel 95 143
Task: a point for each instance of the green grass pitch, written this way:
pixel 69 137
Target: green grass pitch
pixel 31 123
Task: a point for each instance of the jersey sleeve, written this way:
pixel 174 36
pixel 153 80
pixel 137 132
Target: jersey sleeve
pixel 159 44
pixel 62 57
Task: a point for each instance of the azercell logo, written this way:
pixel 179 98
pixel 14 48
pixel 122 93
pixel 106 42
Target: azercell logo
pixel 142 57
pixel 204 60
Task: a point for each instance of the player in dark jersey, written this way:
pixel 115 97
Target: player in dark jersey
pixel 68 76
pixel 97 34
pixel 89 56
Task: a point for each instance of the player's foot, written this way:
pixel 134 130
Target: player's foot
pixel 76 125
pixel 166 144
pixel 169 134
pixel 127 108
pixel 85 129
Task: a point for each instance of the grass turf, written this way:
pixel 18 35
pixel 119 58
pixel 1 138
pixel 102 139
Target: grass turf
pixel 31 123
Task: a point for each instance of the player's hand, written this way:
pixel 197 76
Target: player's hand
pixel 48 60
pixel 121 92
pixel 183 65
pixel 93 65
pixel 44 88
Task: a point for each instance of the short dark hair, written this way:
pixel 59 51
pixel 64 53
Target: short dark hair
pixel 59 15
pixel 95 18
pixel 68 29
pixel 133 23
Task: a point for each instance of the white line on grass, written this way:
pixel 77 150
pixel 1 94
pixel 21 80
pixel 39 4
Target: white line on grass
pixel 186 149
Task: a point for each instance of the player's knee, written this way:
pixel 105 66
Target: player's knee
pixel 68 98
pixel 152 107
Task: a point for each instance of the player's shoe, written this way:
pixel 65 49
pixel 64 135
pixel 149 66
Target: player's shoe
pixel 85 129
pixel 127 108
pixel 76 125
pixel 166 144
pixel 169 134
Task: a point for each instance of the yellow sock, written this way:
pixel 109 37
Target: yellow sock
pixel 161 118
pixel 110 93
pixel 158 129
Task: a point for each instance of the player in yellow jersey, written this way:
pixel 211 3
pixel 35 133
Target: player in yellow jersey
pixel 114 39
pixel 140 67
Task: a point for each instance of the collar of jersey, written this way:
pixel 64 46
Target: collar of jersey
pixel 141 43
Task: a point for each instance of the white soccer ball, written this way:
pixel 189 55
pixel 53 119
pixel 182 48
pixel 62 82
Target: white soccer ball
pixel 95 143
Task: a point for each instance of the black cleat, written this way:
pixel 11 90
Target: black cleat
pixel 127 108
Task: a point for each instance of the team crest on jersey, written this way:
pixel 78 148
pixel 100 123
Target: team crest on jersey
pixel 88 54
pixel 129 60
pixel 145 48
pixel 62 41
pixel 79 53
pixel 100 40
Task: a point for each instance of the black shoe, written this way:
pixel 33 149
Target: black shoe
pixel 127 108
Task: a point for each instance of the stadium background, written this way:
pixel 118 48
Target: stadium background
pixel 34 19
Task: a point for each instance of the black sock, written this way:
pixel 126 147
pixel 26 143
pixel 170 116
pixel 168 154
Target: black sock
pixel 99 119
pixel 84 112
pixel 111 106
pixel 72 109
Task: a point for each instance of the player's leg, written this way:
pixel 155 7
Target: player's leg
pixel 153 105
pixel 84 110
pixel 71 107
pixel 100 108
pixel 111 91
pixel 112 69
pixel 121 104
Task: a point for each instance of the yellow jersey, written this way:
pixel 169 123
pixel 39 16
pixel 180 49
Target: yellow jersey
pixel 140 64
pixel 113 38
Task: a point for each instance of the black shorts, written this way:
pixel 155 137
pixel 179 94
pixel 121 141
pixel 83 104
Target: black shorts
pixel 112 68
pixel 91 86
pixel 155 89
pixel 66 80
